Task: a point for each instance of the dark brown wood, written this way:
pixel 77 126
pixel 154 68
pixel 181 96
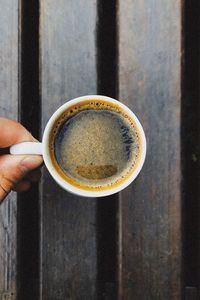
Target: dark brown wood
pixel 68 69
pixel 150 84
pixel 8 107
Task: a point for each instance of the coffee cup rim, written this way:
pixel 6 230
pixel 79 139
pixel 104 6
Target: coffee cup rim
pixel 68 186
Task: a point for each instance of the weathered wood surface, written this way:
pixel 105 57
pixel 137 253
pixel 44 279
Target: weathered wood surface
pixel 150 84
pixel 68 70
pixel 127 246
pixel 8 108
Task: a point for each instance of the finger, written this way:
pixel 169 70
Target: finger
pixel 13 132
pixel 14 168
pixel 34 176
pixel 22 186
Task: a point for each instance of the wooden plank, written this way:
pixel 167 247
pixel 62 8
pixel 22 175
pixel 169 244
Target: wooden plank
pixel 9 108
pixel 68 69
pixel 149 83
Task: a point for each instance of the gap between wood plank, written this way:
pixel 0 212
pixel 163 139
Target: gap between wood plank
pixel 190 143
pixel 108 208
pixel 29 116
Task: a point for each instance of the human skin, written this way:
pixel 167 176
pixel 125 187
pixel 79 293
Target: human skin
pixel 17 172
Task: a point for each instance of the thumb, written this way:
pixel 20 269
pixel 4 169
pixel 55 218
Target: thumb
pixel 14 168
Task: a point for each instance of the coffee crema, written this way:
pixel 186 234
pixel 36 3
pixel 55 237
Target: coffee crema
pixel 95 145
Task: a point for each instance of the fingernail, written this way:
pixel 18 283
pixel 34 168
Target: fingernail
pixel 31 162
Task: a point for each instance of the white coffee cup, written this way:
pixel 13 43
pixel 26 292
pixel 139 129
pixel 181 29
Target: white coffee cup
pixel 43 149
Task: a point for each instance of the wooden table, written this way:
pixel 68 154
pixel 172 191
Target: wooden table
pixel 142 244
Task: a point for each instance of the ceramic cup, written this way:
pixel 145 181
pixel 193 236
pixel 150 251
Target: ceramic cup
pixel 43 148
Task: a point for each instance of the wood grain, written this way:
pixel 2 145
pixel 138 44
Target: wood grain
pixel 68 70
pixel 150 84
pixel 9 108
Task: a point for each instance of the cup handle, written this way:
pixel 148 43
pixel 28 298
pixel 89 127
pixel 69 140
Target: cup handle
pixel 27 148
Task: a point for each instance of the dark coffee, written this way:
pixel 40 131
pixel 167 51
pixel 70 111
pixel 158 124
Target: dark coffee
pixel 95 147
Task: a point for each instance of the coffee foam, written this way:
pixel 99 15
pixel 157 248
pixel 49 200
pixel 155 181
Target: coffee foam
pixel 97 155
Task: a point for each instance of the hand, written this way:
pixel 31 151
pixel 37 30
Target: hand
pixel 16 171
